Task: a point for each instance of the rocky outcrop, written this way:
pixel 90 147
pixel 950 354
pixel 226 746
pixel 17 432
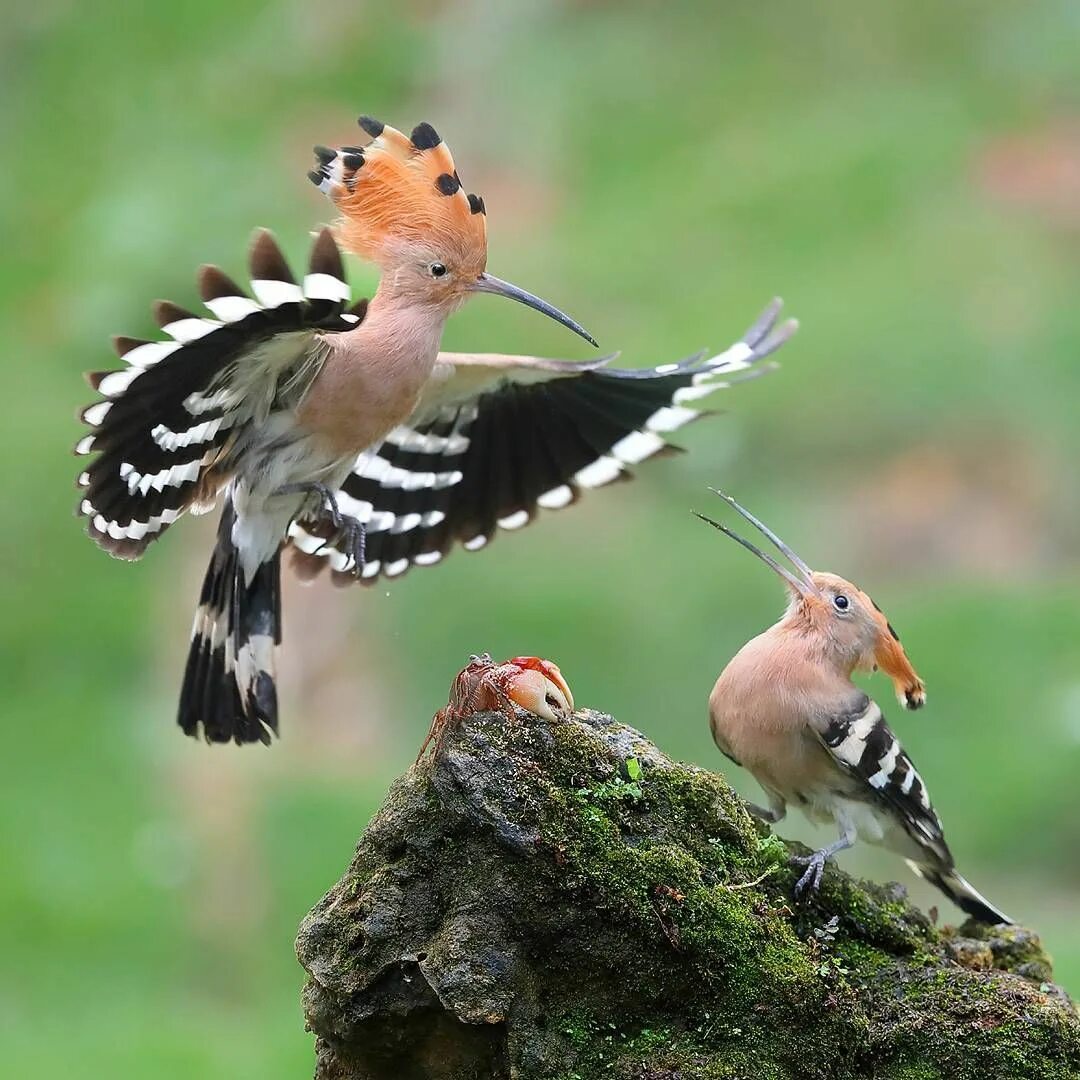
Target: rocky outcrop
pixel 563 901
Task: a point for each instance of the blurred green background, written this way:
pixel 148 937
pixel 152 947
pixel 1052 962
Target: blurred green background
pixel 906 176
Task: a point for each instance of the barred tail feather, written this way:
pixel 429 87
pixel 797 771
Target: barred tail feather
pixel 228 689
pixel 962 893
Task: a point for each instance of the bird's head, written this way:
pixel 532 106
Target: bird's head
pixel 846 623
pixel 403 208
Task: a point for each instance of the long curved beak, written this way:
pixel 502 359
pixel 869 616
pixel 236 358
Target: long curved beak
pixel 800 587
pixel 488 283
pixel 802 583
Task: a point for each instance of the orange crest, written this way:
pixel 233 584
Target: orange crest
pixel 397 192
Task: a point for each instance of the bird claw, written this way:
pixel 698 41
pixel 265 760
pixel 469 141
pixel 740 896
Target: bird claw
pixel 353 534
pixel 811 878
pixel 354 544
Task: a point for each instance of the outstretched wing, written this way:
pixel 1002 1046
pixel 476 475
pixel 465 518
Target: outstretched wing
pixel 861 742
pixel 164 421
pixel 497 437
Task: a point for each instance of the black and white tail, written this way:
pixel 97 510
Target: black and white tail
pixel 961 892
pixel 160 443
pixel 229 690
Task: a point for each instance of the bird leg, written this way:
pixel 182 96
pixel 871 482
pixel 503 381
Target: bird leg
pixel 353 533
pixel 815 863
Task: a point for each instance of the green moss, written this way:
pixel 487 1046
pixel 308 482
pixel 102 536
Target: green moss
pixel 697 902
pixel 673 891
pixel 752 953
pixel 688 898
pixel 914 1071
pixel 1013 948
pixel 982 1027
pixel 862 961
pixel 711 1050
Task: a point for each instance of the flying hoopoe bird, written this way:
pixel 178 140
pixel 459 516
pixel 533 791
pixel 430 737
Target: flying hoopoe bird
pixel 343 433
pixel 786 709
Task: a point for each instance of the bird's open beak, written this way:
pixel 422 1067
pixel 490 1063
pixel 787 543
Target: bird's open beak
pixel 802 582
pixel 539 687
pixel 891 658
pixel 487 283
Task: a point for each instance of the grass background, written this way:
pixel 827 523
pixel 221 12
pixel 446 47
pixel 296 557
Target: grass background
pixel 906 176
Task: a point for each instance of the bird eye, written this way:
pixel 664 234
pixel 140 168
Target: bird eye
pixel 437 269
pixel 841 602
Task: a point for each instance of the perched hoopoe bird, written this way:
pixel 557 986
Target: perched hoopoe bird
pixel 343 433
pixel 786 709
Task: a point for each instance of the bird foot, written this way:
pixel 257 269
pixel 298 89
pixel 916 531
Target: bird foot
pixel 354 543
pixel 353 533
pixel 815 868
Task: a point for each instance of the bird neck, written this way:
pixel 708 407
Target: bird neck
pixel 374 374
pixel 405 325
pixel 820 648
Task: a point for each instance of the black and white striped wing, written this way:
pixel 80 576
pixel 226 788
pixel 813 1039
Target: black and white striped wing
pixel 861 742
pixel 165 419
pixel 496 438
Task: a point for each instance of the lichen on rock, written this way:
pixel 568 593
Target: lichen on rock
pixel 564 902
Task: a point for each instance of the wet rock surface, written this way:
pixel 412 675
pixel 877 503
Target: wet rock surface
pixel 563 902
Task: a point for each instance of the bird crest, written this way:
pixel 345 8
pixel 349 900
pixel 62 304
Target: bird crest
pixel 397 192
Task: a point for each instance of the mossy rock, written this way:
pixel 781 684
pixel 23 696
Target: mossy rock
pixel 563 902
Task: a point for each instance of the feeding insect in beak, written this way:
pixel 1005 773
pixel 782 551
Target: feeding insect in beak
pixel 802 584
pixel 487 283
pixel 890 657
